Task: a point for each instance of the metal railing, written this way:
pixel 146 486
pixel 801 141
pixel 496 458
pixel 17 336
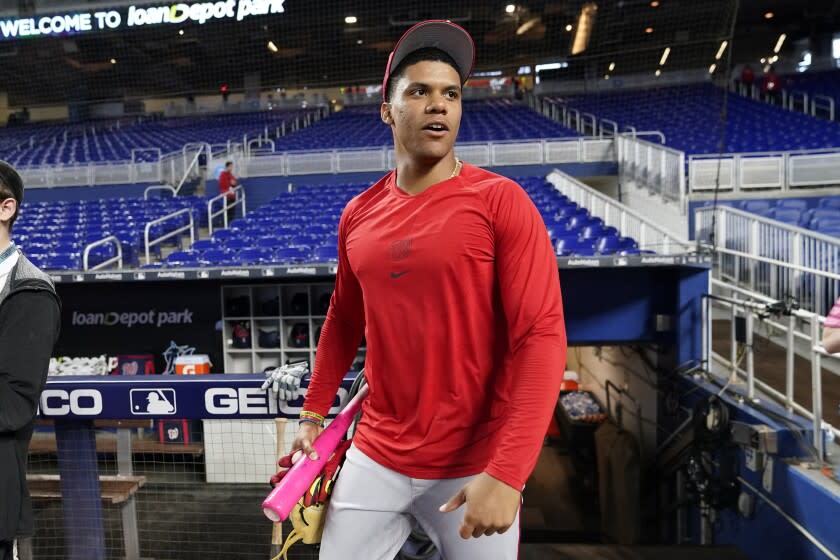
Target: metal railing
pixel 192 170
pixel 149 243
pixel 522 152
pixel 117 259
pixel 764 170
pixel 795 325
pixel 628 222
pixel 227 204
pixel 815 104
pixel 158 188
pixel 771 258
pixel 825 103
pixel 658 168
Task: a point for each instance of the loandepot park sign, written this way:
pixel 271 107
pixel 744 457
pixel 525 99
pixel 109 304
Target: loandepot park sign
pixel 137 16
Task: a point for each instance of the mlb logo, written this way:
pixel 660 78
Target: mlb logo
pixel 153 402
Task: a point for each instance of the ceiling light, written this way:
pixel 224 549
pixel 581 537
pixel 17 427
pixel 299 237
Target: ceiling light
pixel 569 27
pixel 359 41
pixel 606 76
pixel 769 15
pixel 665 54
pixel 779 43
pixel 612 66
pixel 584 27
pixel 658 73
pixel 526 27
pixel 510 8
pixel 113 61
pixel 180 32
pixel 351 19
pixel 272 47
pixel 649 30
pixel 774 59
pixel 654 4
pixel 763 60
pixel 551 66
pixel 712 68
pixel 721 50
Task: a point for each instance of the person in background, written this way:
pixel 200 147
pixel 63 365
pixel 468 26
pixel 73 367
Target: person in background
pixel 771 86
pixel 29 327
pixel 747 76
pixel 227 182
pixel 831 330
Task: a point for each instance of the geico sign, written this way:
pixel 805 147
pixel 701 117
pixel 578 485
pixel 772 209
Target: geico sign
pixel 78 402
pixel 244 401
pixel 227 400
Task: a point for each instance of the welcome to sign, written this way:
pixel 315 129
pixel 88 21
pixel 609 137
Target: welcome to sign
pixel 137 16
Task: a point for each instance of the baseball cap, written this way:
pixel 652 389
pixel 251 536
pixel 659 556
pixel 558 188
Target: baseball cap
pixel 10 178
pixel 441 34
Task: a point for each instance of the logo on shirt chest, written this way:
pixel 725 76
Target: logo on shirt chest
pixel 401 249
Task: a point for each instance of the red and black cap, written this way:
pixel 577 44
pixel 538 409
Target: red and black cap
pixel 441 34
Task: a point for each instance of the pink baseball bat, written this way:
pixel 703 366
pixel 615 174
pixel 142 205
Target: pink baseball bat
pixel 279 503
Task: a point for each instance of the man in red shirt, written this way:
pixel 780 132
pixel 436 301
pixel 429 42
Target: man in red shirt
pixel 448 272
pixel 771 86
pixel 226 183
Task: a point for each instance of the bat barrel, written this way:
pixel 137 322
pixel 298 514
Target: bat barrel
pixel 279 503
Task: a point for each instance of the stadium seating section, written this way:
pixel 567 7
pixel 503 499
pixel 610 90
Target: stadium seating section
pixel 821 215
pixel 296 227
pixel 482 121
pixel 689 116
pixel 816 83
pixel 54 234
pixel 114 140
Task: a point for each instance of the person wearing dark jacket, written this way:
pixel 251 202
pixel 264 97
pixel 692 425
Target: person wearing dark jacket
pixel 29 326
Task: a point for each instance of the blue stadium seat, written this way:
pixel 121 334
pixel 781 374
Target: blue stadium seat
pixel 255 256
pixel 292 255
pixel 326 253
pixel 183 259
pixel 219 257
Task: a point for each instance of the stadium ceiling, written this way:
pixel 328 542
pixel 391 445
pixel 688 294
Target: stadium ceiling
pixel 314 46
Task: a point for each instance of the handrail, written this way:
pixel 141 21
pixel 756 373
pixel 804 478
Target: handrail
pixel 117 259
pixel 593 120
pixel 193 163
pixel 190 227
pixel 158 188
pixel 754 304
pixel 775 262
pixel 585 196
pixel 602 129
pixel 259 140
pixel 656 133
pixel 810 151
pixel 568 121
pixel 829 106
pixel 630 130
pixel 796 94
pixel 240 199
pixel 762 220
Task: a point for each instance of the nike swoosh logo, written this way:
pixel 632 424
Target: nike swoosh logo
pixel 395 275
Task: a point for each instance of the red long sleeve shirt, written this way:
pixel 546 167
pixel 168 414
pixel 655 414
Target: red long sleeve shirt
pixel 457 292
pixel 226 182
